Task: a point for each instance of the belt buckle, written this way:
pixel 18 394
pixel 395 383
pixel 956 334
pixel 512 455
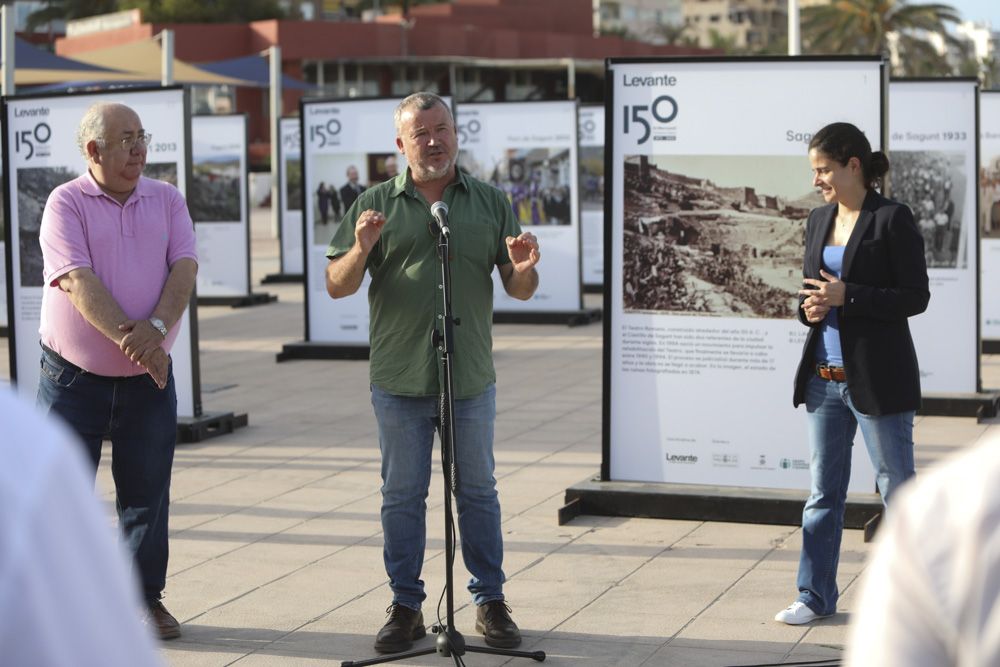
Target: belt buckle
pixel 825 372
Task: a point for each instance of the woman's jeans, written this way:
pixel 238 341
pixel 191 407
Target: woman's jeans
pixel 140 420
pixel 406 428
pixel 832 423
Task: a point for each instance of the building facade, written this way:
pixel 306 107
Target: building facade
pixel 472 50
pixel 742 24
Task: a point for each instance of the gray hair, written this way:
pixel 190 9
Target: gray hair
pixel 418 102
pixel 93 125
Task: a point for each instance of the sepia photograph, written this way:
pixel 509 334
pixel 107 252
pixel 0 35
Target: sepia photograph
pixel 34 184
pixel 161 171
pixel 989 197
pixel 932 184
pixel 592 178
pixel 715 235
pixel 215 188
pixel 536 181
pixel 293 185
pixel 332 174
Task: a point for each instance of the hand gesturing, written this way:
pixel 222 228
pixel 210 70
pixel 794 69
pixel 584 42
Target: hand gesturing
pixel 523 251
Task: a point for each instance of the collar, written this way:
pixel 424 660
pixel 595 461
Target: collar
pixel 90 187
pixel 403 183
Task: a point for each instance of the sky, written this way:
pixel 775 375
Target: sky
pixel 976 10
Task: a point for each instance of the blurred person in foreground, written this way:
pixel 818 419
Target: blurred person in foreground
pixel 390 232
pixel 119 268
pixel 66 598
pixel 864 276
pixel 930 595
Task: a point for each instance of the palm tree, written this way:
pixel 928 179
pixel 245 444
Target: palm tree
pixel 862 27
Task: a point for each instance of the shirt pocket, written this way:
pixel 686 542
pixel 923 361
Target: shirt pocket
pixel 476 243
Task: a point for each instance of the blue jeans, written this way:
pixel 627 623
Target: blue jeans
pixel 406 428
pixel 833 420
pixel 140 420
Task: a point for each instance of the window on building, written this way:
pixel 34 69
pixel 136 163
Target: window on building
pixel 473 84
pixel 408 79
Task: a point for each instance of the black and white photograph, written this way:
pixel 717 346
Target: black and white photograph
pixel 215 188
pixel 34 184
pixel 293 185
pixel 535 180
pixel 161 171
pixel 932 184
pixel 989 197
pixel 329 174
pixel 718 235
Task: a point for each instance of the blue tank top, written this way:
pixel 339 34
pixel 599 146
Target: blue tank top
pixel 828 348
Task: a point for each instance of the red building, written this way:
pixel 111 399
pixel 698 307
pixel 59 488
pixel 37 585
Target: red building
pixel 478 50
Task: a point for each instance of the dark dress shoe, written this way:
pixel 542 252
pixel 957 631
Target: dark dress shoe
pixel 164 625
pixel 404 626
pixel 494 621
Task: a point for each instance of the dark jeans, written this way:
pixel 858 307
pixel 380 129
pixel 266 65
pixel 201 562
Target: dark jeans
pixel 140 420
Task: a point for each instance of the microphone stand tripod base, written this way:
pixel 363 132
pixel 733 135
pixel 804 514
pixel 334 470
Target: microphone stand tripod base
pixel 449 642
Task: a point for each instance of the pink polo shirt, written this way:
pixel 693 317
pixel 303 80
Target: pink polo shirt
pixel 130 248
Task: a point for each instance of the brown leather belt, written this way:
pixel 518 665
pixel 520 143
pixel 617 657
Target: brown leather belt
pixel 834 373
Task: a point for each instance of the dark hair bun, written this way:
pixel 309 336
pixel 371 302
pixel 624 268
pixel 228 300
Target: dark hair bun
pixel 879 166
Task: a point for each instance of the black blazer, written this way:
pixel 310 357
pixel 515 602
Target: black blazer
pixel 886 278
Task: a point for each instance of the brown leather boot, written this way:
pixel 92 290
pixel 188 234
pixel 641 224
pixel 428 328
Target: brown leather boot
pixel 164 625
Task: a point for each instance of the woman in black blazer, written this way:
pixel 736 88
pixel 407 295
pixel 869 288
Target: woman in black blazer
pixel 864 275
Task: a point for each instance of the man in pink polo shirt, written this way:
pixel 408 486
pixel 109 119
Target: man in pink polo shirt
pixel 119 269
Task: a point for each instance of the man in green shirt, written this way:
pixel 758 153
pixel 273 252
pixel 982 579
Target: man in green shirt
pixel 390 232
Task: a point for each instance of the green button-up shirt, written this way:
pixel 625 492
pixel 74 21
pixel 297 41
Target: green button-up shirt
pixel 405 298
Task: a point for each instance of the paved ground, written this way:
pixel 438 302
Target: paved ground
pixel 276 542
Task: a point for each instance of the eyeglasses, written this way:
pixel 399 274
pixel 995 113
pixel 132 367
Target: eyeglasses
pixel 140 140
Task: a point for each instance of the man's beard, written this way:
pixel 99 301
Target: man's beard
pixel 430 173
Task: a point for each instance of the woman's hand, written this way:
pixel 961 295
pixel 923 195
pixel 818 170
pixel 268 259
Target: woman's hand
pixel 814 313
pixel 829 292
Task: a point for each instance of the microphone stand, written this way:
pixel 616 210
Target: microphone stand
pixel 450 642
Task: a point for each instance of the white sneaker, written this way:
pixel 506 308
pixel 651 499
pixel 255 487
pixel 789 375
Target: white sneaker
pixel 798 613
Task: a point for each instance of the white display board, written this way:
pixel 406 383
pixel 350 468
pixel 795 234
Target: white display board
pixel 290 217
pixel 218 204
pixel 339 136
pixel 710 194
pixel 933 169
pixel 989 213
pixel 529 151
pixel 40 153
pixel 591 129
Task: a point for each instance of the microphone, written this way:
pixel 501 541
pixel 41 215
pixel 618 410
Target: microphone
pixel 440 212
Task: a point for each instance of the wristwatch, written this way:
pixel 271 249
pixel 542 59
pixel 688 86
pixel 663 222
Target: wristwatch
pixel 159 325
